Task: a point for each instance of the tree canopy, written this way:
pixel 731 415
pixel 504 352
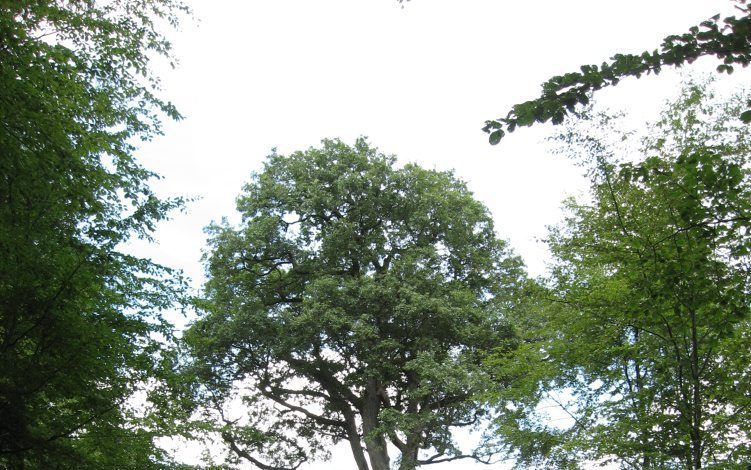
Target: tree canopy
pixel 80 331
pixel 729 40
pixel 646 327
pixel 354 302
pixel 358 300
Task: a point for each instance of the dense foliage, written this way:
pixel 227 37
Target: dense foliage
pixel 353 303
pixel 729 40
pixel 642 337
pixel 359 301
pixel 80 331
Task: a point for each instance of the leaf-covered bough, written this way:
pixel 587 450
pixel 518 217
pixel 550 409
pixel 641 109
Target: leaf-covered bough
pixel 728 39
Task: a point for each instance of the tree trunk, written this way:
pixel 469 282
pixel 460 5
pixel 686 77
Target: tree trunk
pixel 409 456
pixel 696 415
pixel 374 440
pixel 354 441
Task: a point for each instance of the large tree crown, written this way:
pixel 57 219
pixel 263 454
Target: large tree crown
pixel 367 288
pixel 349 210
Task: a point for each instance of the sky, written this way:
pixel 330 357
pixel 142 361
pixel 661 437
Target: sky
pixel 418 79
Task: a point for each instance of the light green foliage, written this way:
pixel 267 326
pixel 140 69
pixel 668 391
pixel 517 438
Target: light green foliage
pixel 354 302
pixel 729 40
pixel 79 319
pixel 643 333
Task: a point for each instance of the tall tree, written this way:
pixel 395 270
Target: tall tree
pixel 79 324
pixel 729 40
pixel 649 323
pixel 353 303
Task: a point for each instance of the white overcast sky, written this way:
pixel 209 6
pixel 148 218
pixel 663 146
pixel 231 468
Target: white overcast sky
pixel 419 81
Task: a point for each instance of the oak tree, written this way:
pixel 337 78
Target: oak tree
pixel 354 302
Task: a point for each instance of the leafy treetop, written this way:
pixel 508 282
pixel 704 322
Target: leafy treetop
pixel 353 303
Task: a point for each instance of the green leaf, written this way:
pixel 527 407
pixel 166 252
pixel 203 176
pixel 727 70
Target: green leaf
pixel 496 136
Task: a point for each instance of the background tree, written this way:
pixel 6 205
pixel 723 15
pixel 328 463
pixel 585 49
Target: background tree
pixel 728 40
pixel 648 326
pixel 353 303
pixel 80 331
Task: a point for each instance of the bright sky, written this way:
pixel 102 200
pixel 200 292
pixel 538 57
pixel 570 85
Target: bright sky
pixel 419 81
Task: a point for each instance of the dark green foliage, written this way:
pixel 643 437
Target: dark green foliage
pixel 354 302
pixel 80 331
pixel 729 40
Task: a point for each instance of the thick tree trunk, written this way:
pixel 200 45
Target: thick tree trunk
pixel 374 440
pixel 409 456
